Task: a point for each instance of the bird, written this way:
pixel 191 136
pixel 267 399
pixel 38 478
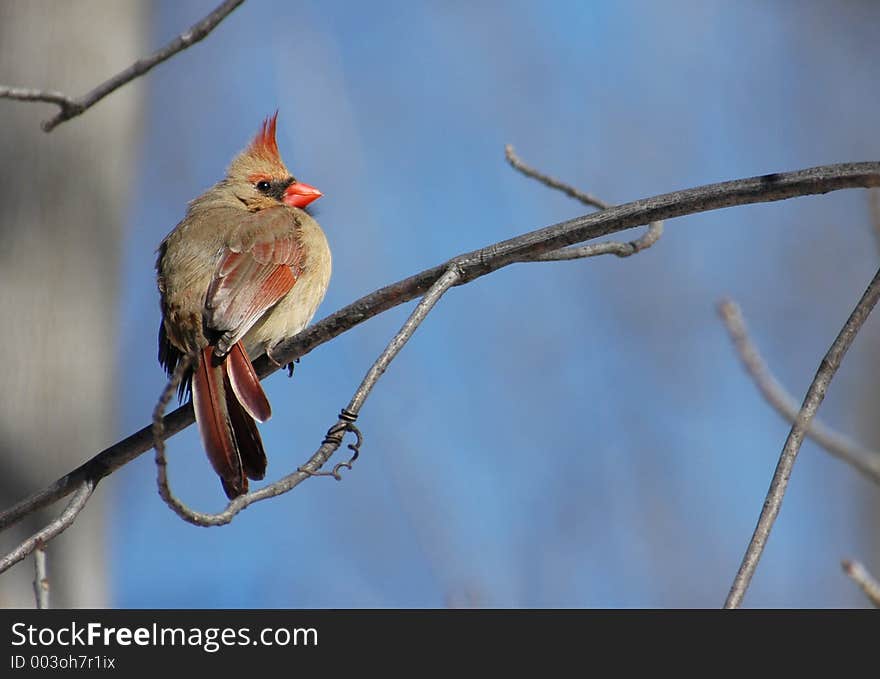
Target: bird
pixel 246 268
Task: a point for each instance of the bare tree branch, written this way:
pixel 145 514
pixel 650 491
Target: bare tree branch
pixel 471 266
pixel 451 277
pixel 55 528
pixel 70 107
pixel 861 576
pixel 587 199
pixel 874 212
pixel 865 460
pixel 815 395
pixel 159 431
pixel 334 436
pixel 26 94
pixel 651 236
pixel 41 580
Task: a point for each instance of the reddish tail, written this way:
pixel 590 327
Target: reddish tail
pixel 227 399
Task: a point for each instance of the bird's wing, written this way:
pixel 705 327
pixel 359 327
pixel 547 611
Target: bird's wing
pixel 259 265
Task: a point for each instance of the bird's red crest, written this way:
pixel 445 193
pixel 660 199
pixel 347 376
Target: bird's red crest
pixel 264 144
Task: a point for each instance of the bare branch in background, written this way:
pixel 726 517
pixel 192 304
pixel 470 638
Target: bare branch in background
pixel 651 236
pixel 874 212
pixel 468 267
pixel 861 576
pixel 27 94
pixel 331 441
pixel 815 395
pixel 865 460
pixel 71 108
pixel 586 198
pixel 58 526
pixel 41 579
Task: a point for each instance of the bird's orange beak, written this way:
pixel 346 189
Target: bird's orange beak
pixel 300 195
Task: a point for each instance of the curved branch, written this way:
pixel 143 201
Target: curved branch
pixel 643 242
pixel 865 460
pixel 472 266
pixel 331 442
pixel 58 526
pixel 651 236
pixel 70 107
pixel 815 395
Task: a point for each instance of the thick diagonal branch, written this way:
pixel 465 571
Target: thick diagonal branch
pixel 473 265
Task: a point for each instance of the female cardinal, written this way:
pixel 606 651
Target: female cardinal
pixel 246 268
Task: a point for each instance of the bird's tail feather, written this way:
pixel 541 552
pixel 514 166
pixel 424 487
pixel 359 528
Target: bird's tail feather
pixel 226 394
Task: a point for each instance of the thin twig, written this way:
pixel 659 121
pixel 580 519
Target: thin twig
pixel 874 212
pixel 70 107
pixel 26 94
pixel 334 436
pixel 651 236
pixel 473 265
pixel 58 526
pixel 815 395
pixel 41 579
pixel 865 460
pixel 620 249
pixel 587 199
pixel 446 281
pixel 860 575
pixel 159 433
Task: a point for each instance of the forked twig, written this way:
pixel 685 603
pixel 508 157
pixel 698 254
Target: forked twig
pixel 815 395
pixel 865 460
pixel 620 249
pixel 58 526
pixel 70 107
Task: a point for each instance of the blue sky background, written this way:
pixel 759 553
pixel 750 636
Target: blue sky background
pixel 569 434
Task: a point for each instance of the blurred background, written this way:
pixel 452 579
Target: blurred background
pixel 573 434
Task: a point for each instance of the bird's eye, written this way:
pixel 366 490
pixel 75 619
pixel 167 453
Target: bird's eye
pixel 263 186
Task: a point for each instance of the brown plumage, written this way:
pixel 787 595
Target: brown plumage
pixel 245 269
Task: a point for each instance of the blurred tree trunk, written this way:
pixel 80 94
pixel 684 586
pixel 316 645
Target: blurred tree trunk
pixel 854 31
pixel 63 198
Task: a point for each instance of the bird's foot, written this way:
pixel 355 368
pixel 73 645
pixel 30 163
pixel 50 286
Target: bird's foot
pixel 279 364
pixel 290 367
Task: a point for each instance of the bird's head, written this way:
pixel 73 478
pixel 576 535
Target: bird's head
pixel 259 179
